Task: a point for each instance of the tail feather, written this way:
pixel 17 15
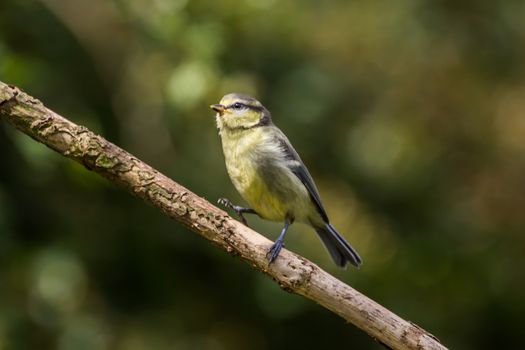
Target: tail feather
pixel 340 250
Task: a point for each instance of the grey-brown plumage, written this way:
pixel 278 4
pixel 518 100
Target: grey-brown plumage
pixel 269 174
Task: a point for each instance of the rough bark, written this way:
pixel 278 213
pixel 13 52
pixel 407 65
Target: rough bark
pixel 292 272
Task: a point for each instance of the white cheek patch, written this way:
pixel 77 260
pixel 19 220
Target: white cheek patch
pixel 238 119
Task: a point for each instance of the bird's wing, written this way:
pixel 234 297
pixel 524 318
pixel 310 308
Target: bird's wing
pixel 302 173
pixel 297 166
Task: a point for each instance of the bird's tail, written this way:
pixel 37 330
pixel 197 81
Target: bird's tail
pixel 340 250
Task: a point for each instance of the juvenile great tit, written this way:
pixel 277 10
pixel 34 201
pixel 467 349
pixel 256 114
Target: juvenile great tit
pixel 270 176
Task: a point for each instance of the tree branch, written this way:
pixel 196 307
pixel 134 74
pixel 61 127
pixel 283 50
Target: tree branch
pixel 292 272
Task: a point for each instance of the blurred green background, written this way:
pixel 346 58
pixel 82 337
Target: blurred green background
pixel 409 114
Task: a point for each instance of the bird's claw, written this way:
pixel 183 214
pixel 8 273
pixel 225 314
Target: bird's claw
pixel 225 202
pixel 243 219
pixel 274 251
pixel 238 210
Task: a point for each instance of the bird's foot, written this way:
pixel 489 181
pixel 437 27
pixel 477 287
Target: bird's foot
pixel 274 251
pixel 237 209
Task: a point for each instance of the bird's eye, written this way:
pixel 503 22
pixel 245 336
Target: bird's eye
pixel 237 105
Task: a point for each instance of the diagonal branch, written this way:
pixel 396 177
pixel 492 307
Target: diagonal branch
pixel 292 272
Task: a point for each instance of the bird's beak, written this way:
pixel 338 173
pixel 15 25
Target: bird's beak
pixel 218 108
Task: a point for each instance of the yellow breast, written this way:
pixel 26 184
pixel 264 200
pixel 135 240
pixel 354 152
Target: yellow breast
pixel 241 163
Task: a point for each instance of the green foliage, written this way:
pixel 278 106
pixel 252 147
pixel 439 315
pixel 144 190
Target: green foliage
pixel 409 115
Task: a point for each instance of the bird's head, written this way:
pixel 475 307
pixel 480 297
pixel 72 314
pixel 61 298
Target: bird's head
pixel 240 112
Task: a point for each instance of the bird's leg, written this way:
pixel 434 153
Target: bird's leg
pixel 273 253
pixel 237 209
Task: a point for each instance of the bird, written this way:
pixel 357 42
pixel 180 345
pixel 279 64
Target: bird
pixel 271 177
